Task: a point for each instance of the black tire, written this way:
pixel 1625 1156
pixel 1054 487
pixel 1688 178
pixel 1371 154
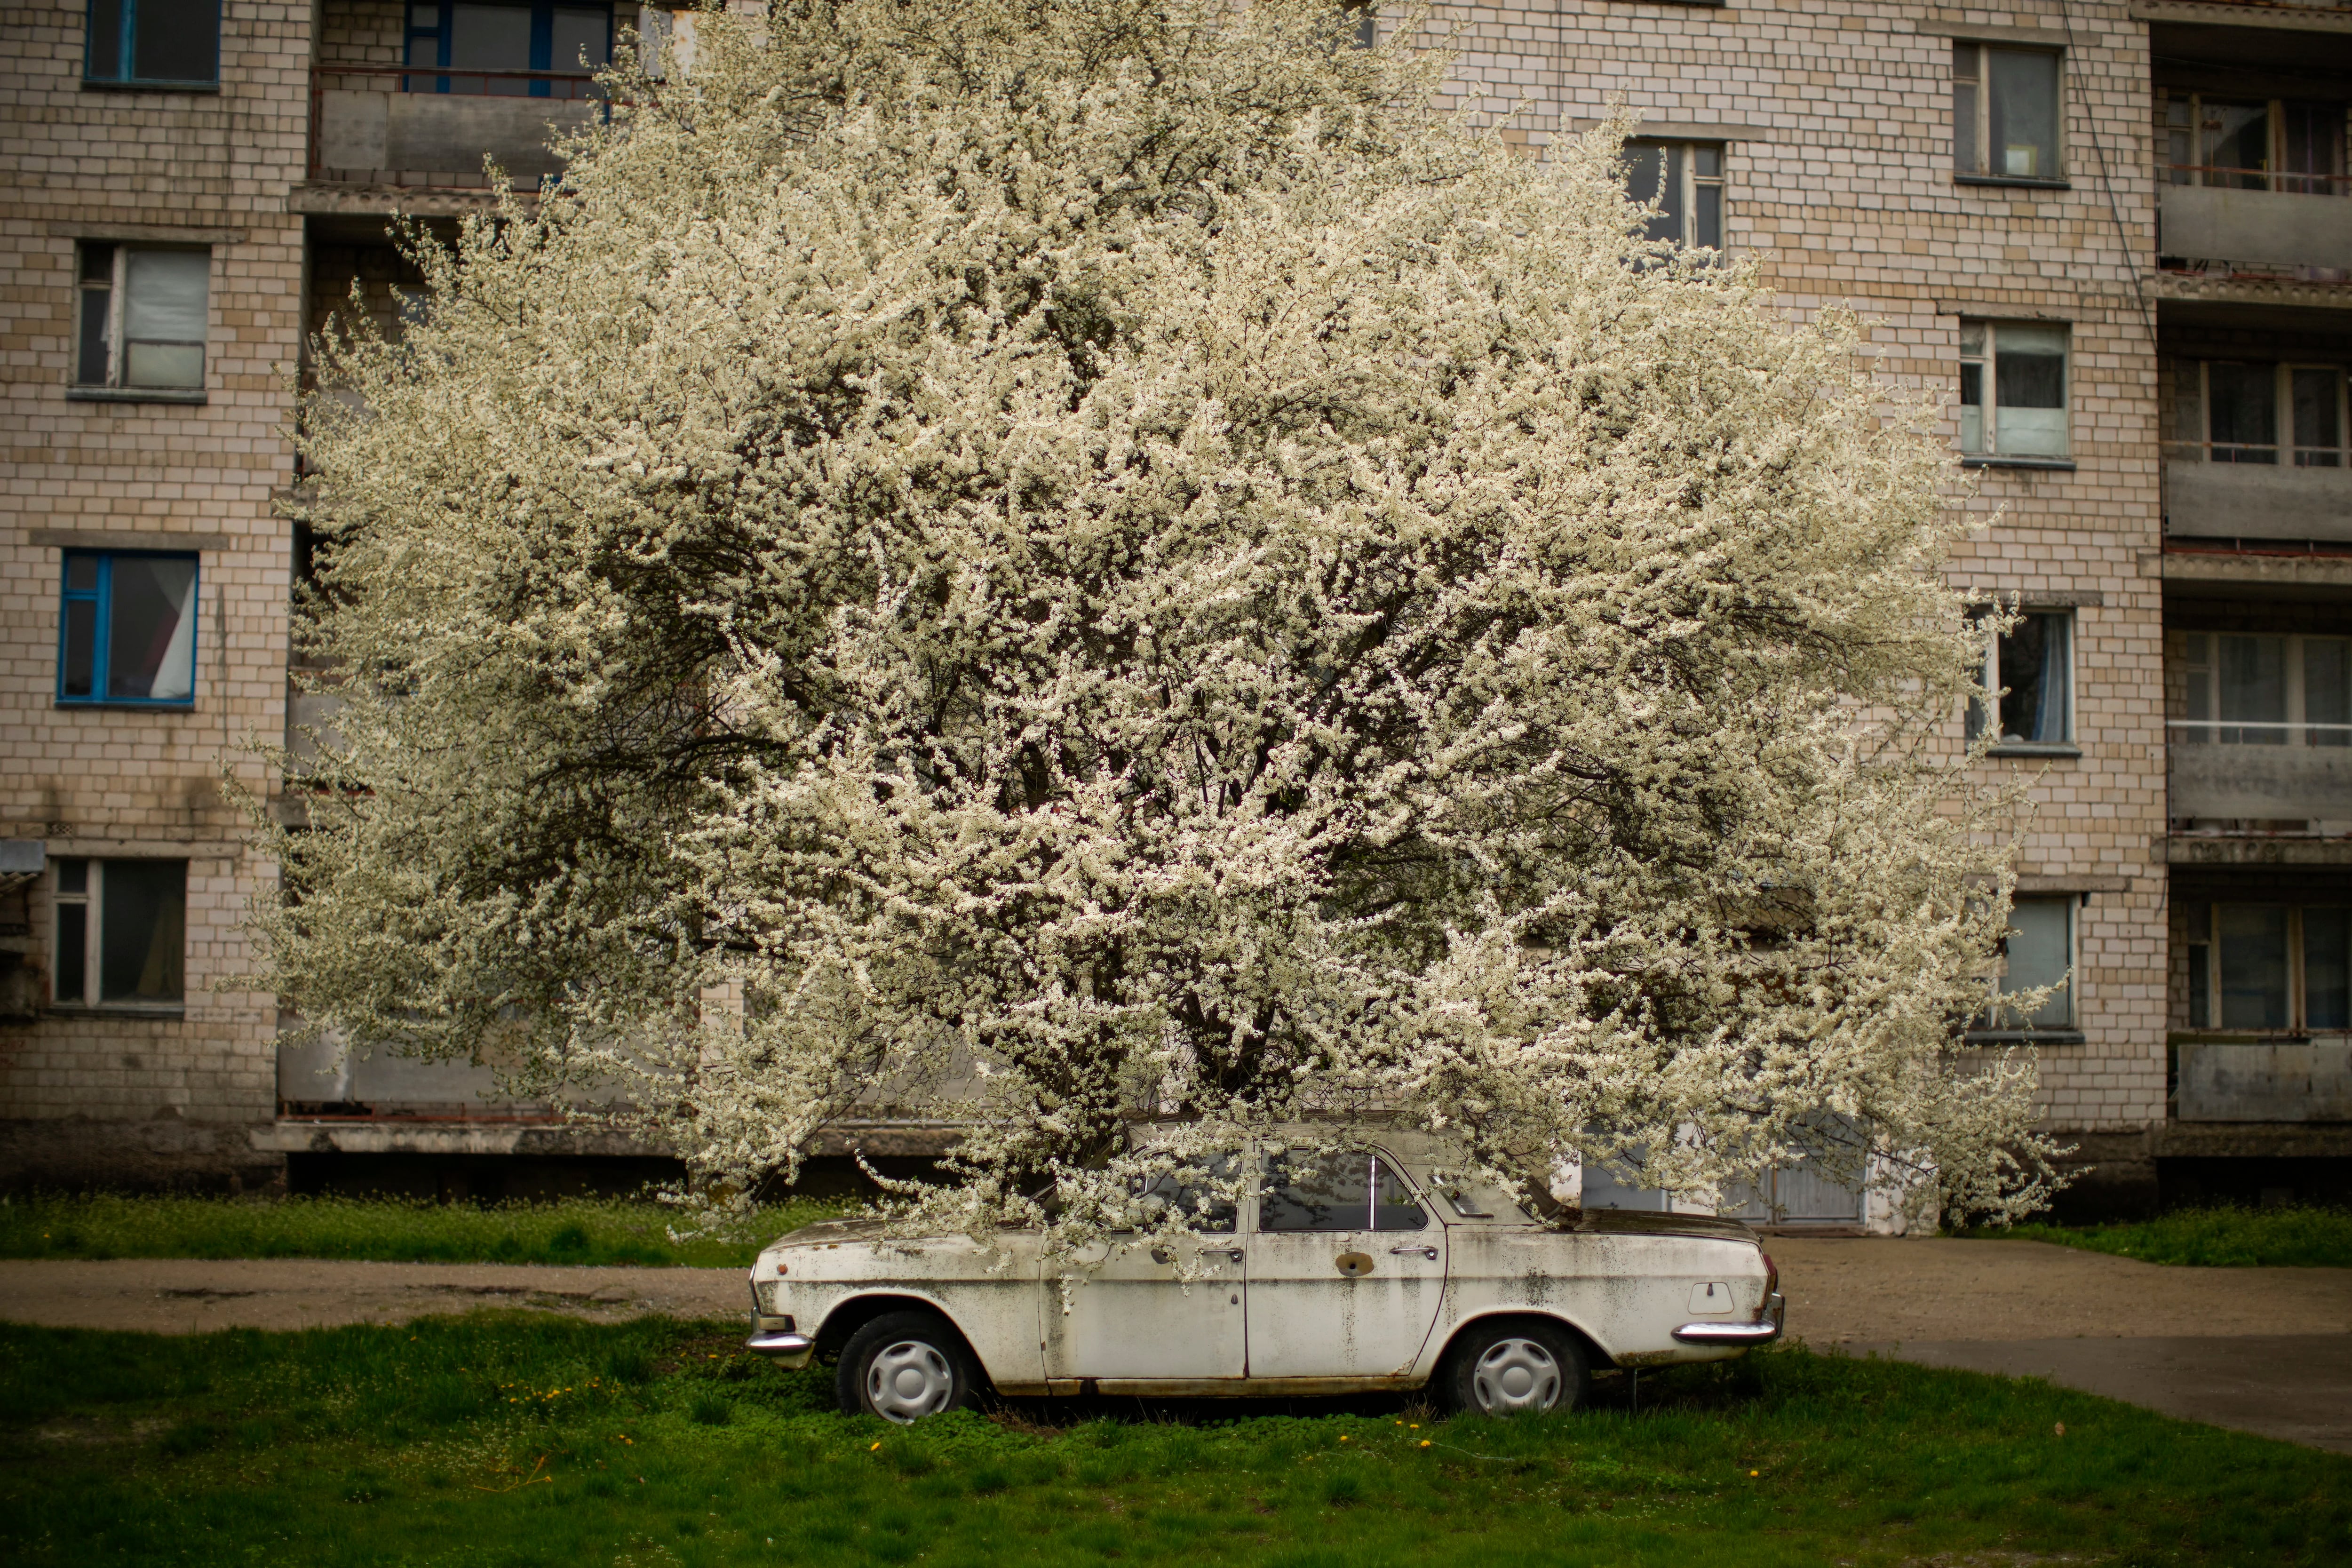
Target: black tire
pixel 903 1366
pixel 1514 1366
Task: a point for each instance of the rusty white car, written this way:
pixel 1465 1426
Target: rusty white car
pixel 1343 1272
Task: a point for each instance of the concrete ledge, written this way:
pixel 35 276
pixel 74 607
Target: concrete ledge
pixel 2293 16
pixel 2188 849
pixel 2270 574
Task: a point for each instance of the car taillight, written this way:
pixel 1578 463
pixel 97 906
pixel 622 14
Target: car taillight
pixel 1771 1275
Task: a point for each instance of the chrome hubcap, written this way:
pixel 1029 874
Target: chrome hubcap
pixel 907 1381
pixel 1515 1375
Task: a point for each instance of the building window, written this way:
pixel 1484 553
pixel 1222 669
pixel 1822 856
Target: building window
pixel 2245 691
pixel 2269 968
pixel 127 628
pixel 2005 113
pixel 482 36
pixel 2037 951
pixel 143 312
pixel 2227 411
pixel 2030 667
pixel 1363 20
pixel 1685 180
pixel 2013 389
pixel 122 935
pixel 2293 145
pixel 154 42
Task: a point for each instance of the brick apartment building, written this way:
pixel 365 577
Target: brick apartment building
pixel 2113 234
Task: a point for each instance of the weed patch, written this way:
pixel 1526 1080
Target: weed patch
pixel 581 1231
pixel 2221 1238
pixel 513 1438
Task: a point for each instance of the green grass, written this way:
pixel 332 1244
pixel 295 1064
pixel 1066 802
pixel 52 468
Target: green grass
pixel 522 1440
pixel 573 1230
pixel 2215 1237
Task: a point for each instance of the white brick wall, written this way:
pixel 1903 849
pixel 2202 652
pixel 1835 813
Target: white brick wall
pixel 1846 194
pixel 89 162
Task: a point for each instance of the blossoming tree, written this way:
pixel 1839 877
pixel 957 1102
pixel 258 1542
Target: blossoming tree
pixel 1046 563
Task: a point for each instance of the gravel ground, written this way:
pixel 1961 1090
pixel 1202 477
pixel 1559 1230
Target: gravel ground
pixel 1851 1291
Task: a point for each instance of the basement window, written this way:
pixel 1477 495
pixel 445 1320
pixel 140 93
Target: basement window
pixel 2006 114
pixel 122 933
pixel 153 43
pixel 142 314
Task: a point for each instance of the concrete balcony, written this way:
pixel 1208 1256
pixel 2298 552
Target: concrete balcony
pixel 2304 1081
pixel 2293 783
pixel 430 130
pixel 2256 500
pixel 2261 229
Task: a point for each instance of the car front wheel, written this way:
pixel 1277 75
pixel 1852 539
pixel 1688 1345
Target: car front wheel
pixel 903 1366
pixel 1515 1366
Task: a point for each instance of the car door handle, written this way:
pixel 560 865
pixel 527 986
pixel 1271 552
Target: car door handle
pixel 1428 1252
pixel 1235 1253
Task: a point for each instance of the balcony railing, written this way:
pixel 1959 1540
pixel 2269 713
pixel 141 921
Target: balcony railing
pixel 389 125
pixel 2229 177
pixel 2276 773
pixel 2225 490
pixel 2258 219
pixel 2241 732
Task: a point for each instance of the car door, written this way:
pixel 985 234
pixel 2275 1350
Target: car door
pixel 1347 1268
pixel 1131 1317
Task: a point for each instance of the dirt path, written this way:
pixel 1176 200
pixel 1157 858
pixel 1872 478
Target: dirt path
pixel 1876 1291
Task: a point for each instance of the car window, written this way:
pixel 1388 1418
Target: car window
pixel 1203 1209
pixel 1394 1207
pixel 1476 1200
pixel 1316 1192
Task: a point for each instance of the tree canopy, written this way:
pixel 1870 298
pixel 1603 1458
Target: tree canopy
pixel 1050 561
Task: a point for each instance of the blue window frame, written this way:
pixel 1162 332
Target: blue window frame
pixel 154 42
pixel 127 628
pixel 506 36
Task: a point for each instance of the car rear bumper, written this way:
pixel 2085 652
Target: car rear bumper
pixel 785 1349
pixel 1762 1331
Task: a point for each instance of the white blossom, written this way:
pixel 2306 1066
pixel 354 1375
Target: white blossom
pixel 1047 561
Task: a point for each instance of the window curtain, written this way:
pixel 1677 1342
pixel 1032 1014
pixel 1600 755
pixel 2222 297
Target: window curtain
pixel 2051 718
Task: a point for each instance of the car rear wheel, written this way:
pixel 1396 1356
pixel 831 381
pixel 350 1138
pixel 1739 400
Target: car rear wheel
pixel 1515 1366
pixel 903 1366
